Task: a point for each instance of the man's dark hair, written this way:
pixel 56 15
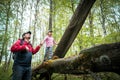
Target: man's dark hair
pixel 29 32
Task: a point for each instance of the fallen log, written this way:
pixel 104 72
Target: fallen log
pixel 102 58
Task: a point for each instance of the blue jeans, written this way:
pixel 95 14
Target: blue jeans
pixel 48 53
pixel 21 73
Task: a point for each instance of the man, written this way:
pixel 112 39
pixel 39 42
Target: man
pixel 23 50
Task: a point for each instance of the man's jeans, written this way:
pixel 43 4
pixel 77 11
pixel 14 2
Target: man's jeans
pixel 48 53
pixel 21 73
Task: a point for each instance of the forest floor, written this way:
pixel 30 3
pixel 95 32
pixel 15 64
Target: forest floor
pixel 6 75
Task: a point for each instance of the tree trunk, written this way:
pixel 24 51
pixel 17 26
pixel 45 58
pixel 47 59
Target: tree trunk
pixel 74 27
pixel 102 58
pixel 116 22
pixel 103 17
pixel 20 29
pixel 35 23
pixel 31 5
pixel 6 57
pixel 50 14
pixel 91 25
pixel 6 31
pixel 14 34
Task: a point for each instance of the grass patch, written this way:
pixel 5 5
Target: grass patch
pixel 5 74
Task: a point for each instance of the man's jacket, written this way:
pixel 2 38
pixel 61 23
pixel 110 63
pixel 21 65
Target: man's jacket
pixel 22 56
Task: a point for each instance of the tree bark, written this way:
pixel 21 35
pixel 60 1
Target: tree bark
pixel 91 25
pixel 5 39
pixel 30 18
pixel 14 34
pixel 35 23
pixel 90 17
pixel 74 27
pixel 102 58
pixel 21 20
pixel 51 15
pixel 103 17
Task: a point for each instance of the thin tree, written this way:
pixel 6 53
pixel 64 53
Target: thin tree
pixel 30 21
pixel 103 17
pixel 22 7
pixel 90 19
pixel 50 14
pixel 6 31
pixel 35 22
pixel 14 32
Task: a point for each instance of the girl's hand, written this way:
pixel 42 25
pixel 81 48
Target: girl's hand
pixel 40 44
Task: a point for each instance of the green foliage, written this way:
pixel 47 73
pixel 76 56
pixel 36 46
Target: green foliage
pixel 113 37
pixel 85 39
pixel 62 13
pixel 4 5
pixel 5 74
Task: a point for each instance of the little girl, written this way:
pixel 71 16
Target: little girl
pixel 50 42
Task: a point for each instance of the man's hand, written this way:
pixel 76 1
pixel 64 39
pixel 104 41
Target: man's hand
pixel 40 44
pixel 27 48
